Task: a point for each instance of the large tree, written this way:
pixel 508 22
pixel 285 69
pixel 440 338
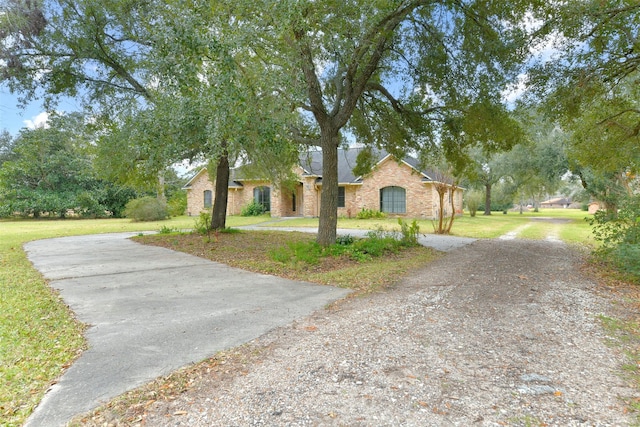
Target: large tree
pixel 592 83
pixel 96 52
pixel 397 74
pixel 221 112
pixel 162 76
pixel 49 170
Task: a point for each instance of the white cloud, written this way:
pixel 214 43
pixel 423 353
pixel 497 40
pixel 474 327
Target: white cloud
pixel 515 89
pixel 39 121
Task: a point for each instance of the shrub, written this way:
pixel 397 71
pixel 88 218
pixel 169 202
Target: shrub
pixel 253 209
pixel 202 224
pixel 619 234
pixel 626 257
pixel 168 230
pixel 474 200
pixel 344 240
pixel 146 209
pixel 370 214
pixel 177 203
pixel 410 233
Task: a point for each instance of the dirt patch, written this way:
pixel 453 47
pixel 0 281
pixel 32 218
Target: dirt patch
pixel 496 333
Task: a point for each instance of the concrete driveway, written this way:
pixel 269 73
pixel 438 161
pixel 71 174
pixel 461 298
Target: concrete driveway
pixel 151 311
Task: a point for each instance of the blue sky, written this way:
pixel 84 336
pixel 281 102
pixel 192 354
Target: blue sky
pixel 13 118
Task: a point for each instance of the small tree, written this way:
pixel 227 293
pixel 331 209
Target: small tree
pixel 445 185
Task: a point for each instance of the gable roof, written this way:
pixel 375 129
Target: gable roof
pixel 311 163
pixel 232 179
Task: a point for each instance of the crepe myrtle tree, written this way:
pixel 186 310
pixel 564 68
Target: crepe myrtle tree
pixel 400 74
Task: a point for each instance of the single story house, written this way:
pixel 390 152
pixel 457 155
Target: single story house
pixel 559 202
pixel 398 188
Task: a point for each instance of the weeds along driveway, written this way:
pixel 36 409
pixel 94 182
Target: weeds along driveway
pixel 151 311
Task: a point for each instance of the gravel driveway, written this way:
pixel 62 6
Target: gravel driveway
pixel 500 332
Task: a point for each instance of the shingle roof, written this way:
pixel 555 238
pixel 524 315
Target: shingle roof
pixel 311 162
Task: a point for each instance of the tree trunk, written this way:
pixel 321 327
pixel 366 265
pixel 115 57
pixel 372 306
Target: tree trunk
pixel 219 215
pixel 453 207
pixel 487 199
pixel 160 193
pixel 440 191
pixel 329 200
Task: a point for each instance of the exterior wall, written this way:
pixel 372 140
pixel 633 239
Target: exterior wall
pixel 282 201
pixel 421 197
pixel 238 197
pixel 457 202
pixel 245 196
pixel 195 194
pixel 390 173
pixel 350 209
pixel 310 197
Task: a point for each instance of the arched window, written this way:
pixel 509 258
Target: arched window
pixel 262 195
pixel 207 199
pixel 393 200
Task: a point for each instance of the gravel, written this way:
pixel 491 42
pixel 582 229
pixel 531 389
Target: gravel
pixel 499 332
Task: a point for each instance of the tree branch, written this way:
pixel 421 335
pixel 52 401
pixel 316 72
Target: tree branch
pixel 298 137
pixel 314 88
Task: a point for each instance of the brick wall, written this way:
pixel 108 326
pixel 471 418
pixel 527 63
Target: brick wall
pixel 195 193
pixel 421 197
pixel 419 203
pixel 238 198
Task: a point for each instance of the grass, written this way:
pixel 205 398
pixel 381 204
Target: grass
pixel 39 336
pixel 625 334
pixel 574 230
pixel 293 255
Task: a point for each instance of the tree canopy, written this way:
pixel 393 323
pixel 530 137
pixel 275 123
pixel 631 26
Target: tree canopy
pixel 50 170
pixel 401 75
pixel 592 84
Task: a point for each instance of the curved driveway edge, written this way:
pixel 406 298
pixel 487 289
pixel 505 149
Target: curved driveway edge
pixel 151 311
pixel 439 242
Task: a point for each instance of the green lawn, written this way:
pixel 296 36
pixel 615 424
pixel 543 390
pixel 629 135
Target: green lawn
pixel 39 337
pixel 577 230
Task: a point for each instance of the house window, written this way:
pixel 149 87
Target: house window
pixel 207 199
pixel 262 195
pixel 293 201
pixel 341 202
pixel 393 200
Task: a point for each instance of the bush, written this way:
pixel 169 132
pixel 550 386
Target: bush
pixel 370 214
pixel 410 233
pixel 177 203
pixel 202 224
pixel 474 200
pixel 146 209
pixel 619 234
pixel 253 209
pixel 626 257
pixel 168 230
pixel 344 240
pixel 88 206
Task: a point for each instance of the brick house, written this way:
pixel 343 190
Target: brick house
pixel 398 188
